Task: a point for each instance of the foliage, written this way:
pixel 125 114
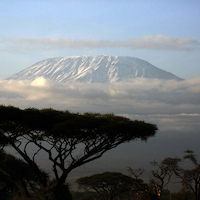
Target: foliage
pixel 162 175
pixel 139 189
pixel 108 184
pixel 190 177
pixel 15 173
pixel 61 133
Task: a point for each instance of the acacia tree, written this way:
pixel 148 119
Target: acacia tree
pixel 190 178
pixel 108 185
pixel 139 188
pixel 161 176
pixel 61 133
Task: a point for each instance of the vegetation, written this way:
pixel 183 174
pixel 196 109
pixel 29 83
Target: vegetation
pixel 71 140
pixel 16 174
pixel 161 177
pixel 190 178
pixel 60 134
pixel 108 185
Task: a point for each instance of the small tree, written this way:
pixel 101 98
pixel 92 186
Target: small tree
pixel 139 188
pixel 190 178
pixel 162 175
pixel 108 185
pixel 61 133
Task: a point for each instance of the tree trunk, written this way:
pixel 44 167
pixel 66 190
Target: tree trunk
pixel 62 192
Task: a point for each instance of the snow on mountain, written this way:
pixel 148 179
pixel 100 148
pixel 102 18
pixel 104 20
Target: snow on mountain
pixel 95 69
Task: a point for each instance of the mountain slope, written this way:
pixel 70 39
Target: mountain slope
pixel 96 69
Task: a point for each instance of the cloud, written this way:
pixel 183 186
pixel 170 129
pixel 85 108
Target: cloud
pixel 158 42
pixel 40 81
pixel 142 96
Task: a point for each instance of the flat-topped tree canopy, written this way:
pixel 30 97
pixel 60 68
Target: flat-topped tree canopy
pixel 110 185
pixel 60 133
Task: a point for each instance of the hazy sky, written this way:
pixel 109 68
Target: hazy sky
pixel 165 33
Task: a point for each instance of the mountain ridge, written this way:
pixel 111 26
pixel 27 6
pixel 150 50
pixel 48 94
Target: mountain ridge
pixel 95 69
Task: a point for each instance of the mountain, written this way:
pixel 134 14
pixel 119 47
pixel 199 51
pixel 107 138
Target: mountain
pixel 95 69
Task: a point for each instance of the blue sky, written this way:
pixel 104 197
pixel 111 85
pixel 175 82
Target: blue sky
pixel 164 33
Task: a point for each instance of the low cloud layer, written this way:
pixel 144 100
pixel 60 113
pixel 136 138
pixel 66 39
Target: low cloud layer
pixel 158 42
pixel 142 96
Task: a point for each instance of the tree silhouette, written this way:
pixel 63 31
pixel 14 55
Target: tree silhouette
pixel 161 176
pixel 108 185
pixel 62 135
pixel 15 173
pixel 139 188
pixel 190 178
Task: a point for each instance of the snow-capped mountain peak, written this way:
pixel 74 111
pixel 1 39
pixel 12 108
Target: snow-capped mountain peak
pixel 96 69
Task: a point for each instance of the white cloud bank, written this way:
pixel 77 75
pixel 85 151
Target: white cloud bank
pixel 158 42
pixel 142 96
